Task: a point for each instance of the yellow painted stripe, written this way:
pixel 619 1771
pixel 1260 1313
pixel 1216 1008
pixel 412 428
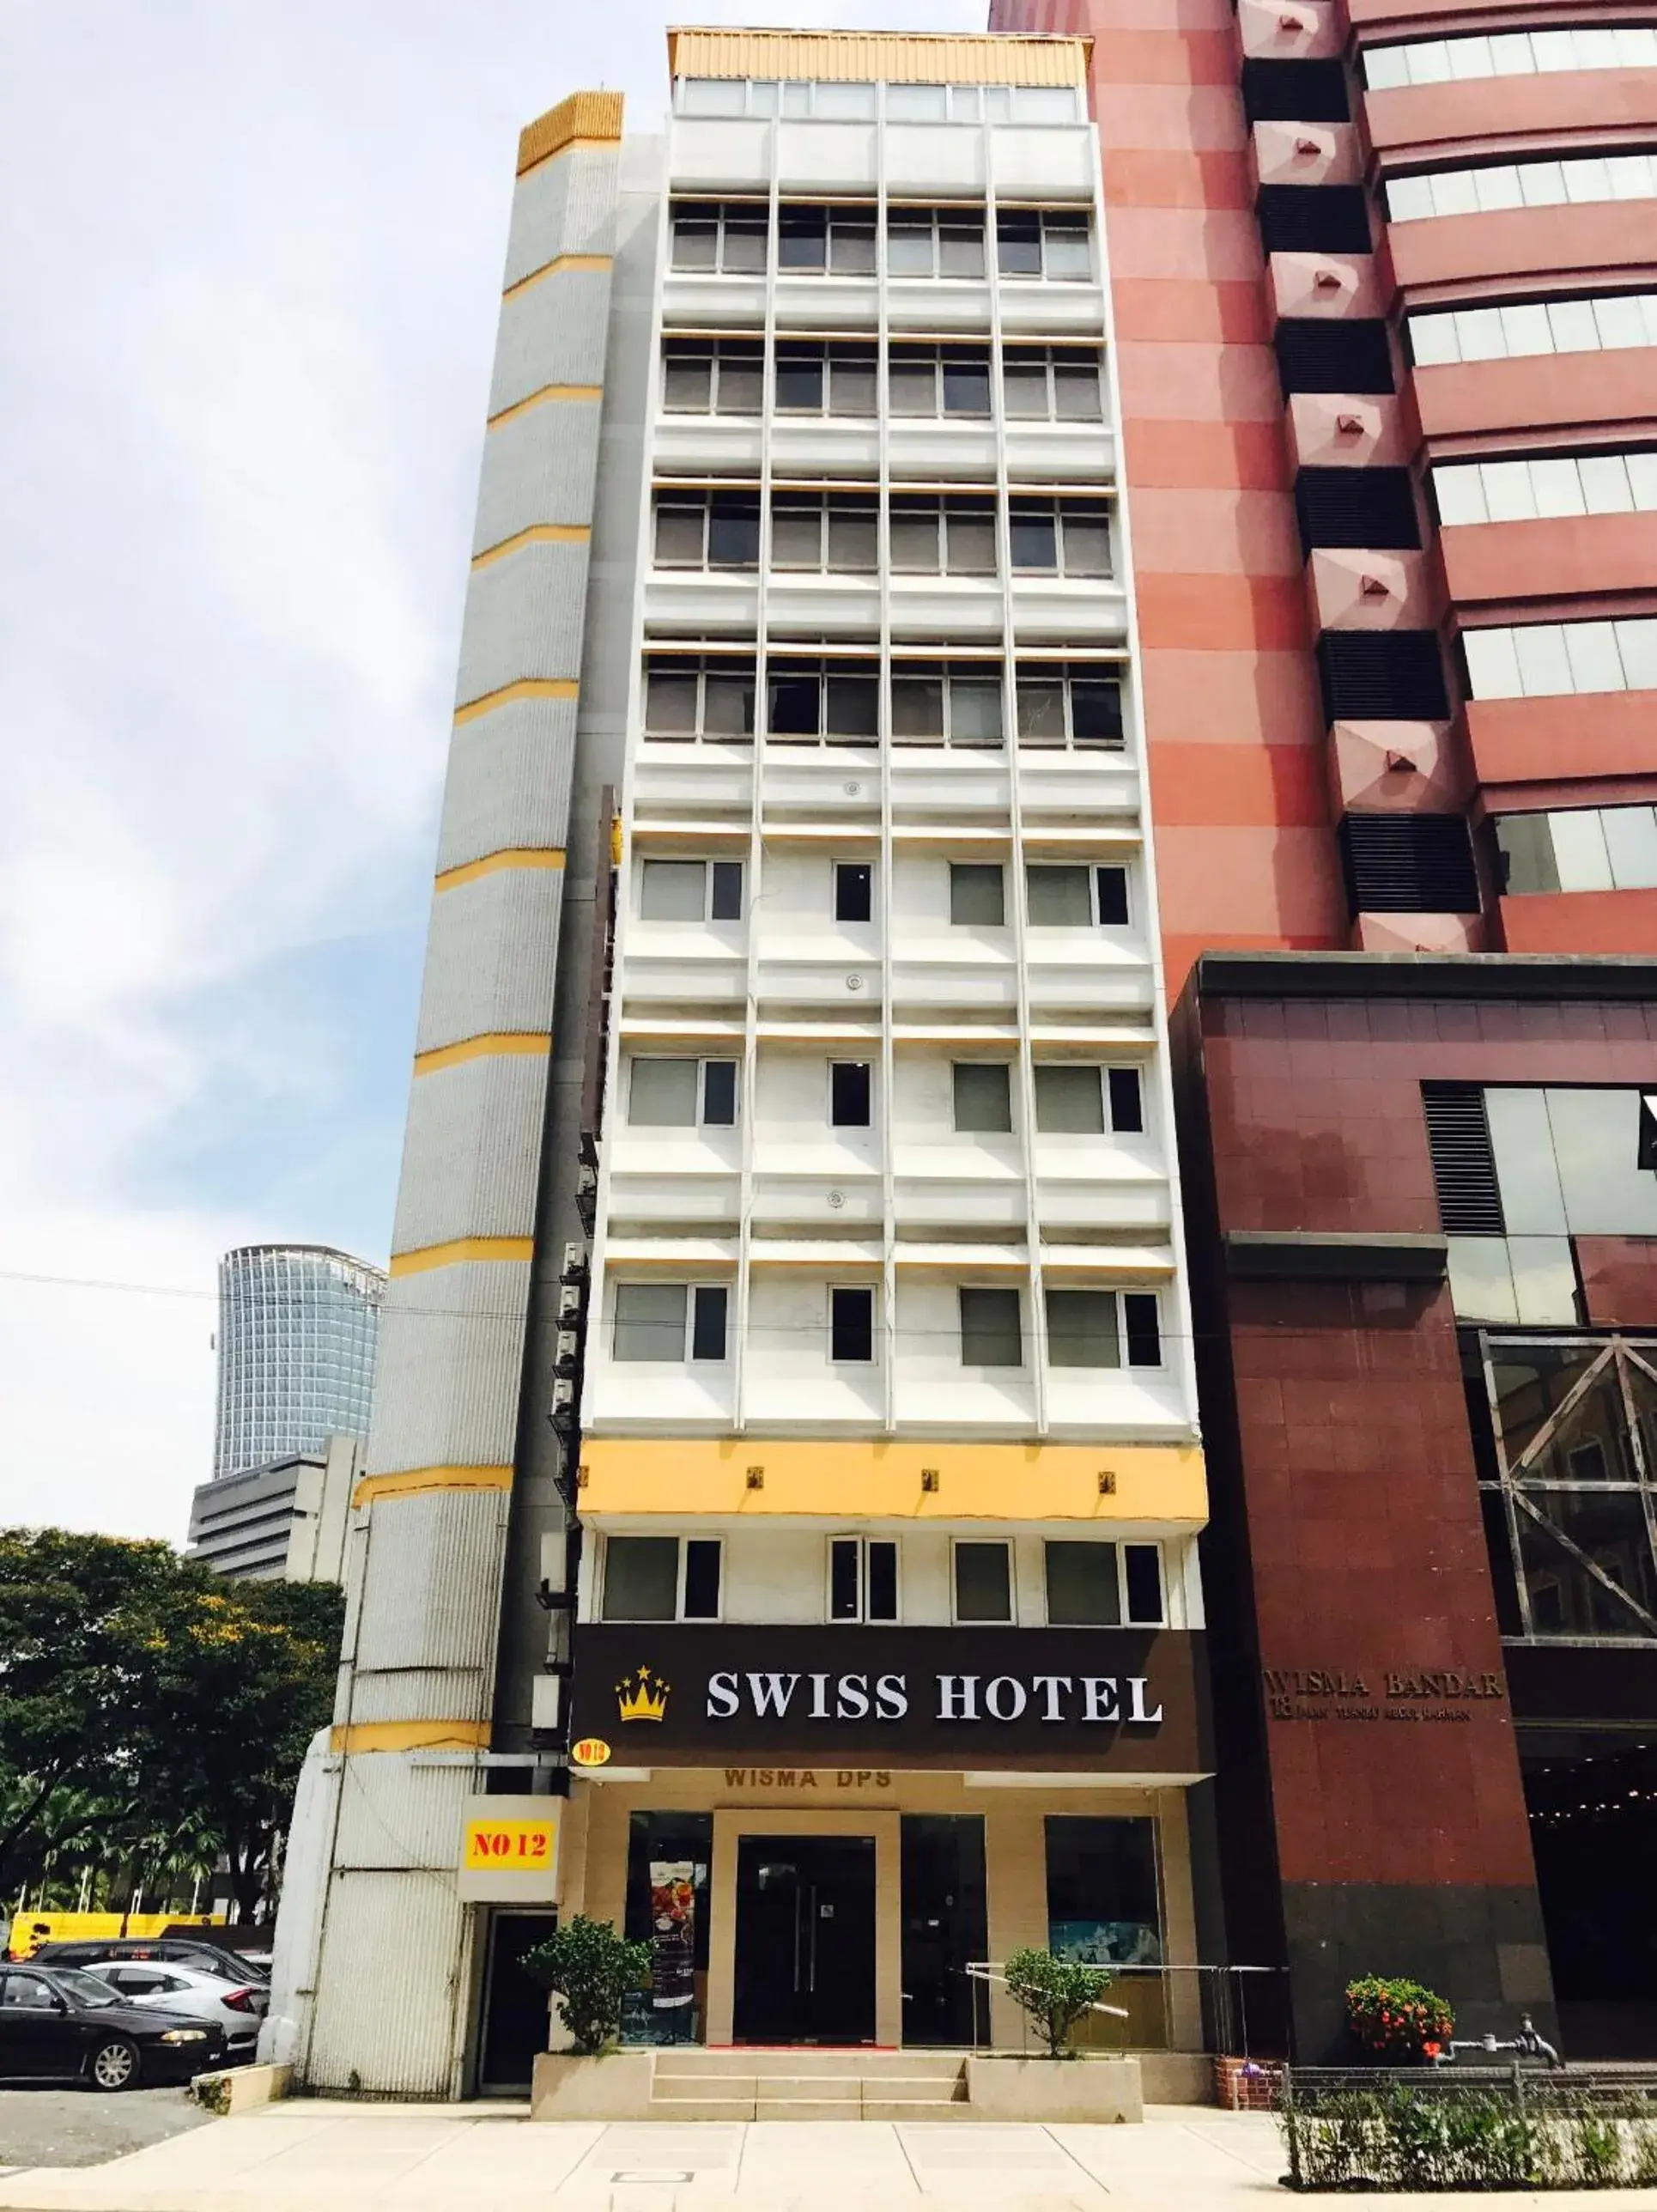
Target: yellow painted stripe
pixel 511 856
pixel 548 391
pixel 411 1735
pixel 559 262
pixel 572 146
pixel 527 687
pixel 460 1249
pixel 494 1045
pixel 415 1482
pixel 541 533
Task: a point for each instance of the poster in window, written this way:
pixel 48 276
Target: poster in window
pixel 672 1934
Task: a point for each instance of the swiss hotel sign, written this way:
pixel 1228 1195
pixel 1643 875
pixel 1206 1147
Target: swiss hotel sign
pixel 1122 1700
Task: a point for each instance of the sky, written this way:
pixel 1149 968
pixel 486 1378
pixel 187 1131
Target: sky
pixel 249 256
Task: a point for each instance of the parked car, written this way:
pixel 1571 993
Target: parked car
pixel 185 1951
pixel 61 2025
pixel 165 1985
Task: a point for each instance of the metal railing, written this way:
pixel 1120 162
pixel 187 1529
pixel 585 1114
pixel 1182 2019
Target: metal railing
pixel 1234 2011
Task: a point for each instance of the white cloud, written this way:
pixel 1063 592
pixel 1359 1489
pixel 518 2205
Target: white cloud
pixel 249 262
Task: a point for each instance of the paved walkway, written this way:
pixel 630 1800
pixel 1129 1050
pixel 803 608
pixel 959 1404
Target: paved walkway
pixel 327 2157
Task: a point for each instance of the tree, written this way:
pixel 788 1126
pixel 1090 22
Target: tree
pixel 1055 1993
pixel 590 1969
pixel 150 1708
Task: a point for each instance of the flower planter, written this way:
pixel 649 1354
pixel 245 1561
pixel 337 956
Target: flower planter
pixel 614 2085
pixel 1084 2089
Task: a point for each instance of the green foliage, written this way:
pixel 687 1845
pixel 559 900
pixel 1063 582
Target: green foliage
pixel 1534 2134
pixel 1397 2020
pixel 1055 1993
pixel 589 1968
pixel 151 1714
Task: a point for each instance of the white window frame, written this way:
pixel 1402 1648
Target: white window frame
pixel 1053 354
pixel 861 1617
pixel 700 667
pixel 1019 1291
pixel 683 1543
pixel 707 867
pixel 716 350
pixel 848 500
pixel 829 349
pixel 872 1292
pixel 681 202
pixel 938 219
pixel 1068 674
pixel 1063 220
pixel 690 1287
pixel 947 673
pixel 1119 1545
pixel 704 1061
pixel 1006 1545
pixel 907 353
pixel 1120 867
pixel 1103 1069
pixel 852 861
pixel 1120 1292
pixel 861 214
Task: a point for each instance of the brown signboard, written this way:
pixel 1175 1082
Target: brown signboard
pixel 1122 1700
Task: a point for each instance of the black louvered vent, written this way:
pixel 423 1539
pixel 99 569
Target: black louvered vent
pixel 1294 92
pixel 1408 864
pixel 1382 675
pixel 1317 356
pixel 1356 507
pixel 1312 219
pixel 1464 1165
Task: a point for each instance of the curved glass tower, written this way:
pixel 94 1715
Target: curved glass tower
pixel 298 1329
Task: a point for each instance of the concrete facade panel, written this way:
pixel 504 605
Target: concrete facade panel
pixel 1480 111
pixel 433 1600
pixel 1543 391
pixel 472 1156
pixel 1583 922
pixel 1438 253
pixel 509 781
pixel 451 1351
pixel 1589 734
pixel 523 619
pixel 538 467
pixel 491 957
pixel 551 333
pixel 1567 557
pixel 565 206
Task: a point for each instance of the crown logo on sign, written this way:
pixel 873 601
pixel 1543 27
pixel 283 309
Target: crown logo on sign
pixel 643 1700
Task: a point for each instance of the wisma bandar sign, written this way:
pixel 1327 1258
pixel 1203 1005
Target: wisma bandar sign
pixel 1123 1700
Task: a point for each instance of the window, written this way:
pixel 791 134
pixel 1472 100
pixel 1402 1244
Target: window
pixel 1049 242
pixel 1075 898
pixel 991 1328
pixel 938 537
pixel 1602 321
pixel 917 103
pixel 671 1321
pixel 729 238
pixel 1074 705
pixel 1060 537
pixel 851 1325
pixel 1511 53
pixel 713 376
pixel 938 380
pixel 1609 848
pixel 977 894
pixel 26 1993
pixel 862 1579
pixel 831 702
pixel 1081 1101
pixel 1521 184
pixel 851 1087
pixel 1052 384
pixel 711 95
pixel 1090 1328
pixel 836 531
pixel 677 1094
pixel 661 1578
pixel 816 241
pixel 819 376
pixel 690 891
pixel 937 702
pixel 1092 1585
pixel 1539 660
pixel 934 241
pixel 983 1580
pixel 687 697
pixel 1102 1890
pixel 983 1096
pixel 707 530
pixel 1525 491
pixel 854 890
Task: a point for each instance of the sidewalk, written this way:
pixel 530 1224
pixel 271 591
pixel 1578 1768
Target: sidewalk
pixel 311 2156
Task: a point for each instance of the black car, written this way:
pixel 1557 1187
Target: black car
pixel 183 1950
pixel 58 2023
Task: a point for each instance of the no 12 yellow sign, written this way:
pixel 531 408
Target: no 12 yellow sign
pixel 509 1850
pixel 525 1845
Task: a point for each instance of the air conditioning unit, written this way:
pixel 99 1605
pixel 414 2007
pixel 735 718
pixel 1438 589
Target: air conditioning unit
pixel 570 1299
pixel 575 1266
pixel 568 1361
pixel 563 1406
pixel 555 1561
pixel 546 1702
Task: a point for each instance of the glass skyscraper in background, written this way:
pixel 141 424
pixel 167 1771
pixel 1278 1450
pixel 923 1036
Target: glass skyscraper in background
pixel 299 1324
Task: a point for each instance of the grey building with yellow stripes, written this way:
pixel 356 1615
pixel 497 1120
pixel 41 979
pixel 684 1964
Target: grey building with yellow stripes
pixel 783 1486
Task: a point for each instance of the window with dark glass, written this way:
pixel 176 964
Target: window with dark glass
pixel 854 890
pixel 727 238
pixel 709 1306
pixel 718 376
pixel 835 702
pixel 983 1096
pixel 938 702
pixel 1084 1585
pixel 835 241
pixel 977 894
pixel 1049 242
pixel 851 1325
pixel 707 530
pixel 938 380
pixel 837 530
pixel 1059 537
pixel 862 1579
pixel 954 535
pixel 690 891
pixel 822 376
pixel 1069 704
pixel 1102 1890
pixel 934 242
pixel 991 1329
pixel 983 1580
pixel 851 1092
pixel 1060 384
pixel 687 697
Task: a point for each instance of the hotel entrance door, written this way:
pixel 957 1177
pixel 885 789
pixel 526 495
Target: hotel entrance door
pixel 806 1939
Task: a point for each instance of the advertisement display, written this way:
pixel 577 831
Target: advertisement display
pixel 672 1934
pixel 1116 1700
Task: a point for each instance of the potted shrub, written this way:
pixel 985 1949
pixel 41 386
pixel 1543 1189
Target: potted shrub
pixel 1055 1993
pixel 1397 2021
pixel 590 1969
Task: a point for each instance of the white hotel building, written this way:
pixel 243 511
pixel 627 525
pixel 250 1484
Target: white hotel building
pixel 819 1533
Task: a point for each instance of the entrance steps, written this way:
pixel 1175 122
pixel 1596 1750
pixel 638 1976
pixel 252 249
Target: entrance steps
pixel 804 2083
